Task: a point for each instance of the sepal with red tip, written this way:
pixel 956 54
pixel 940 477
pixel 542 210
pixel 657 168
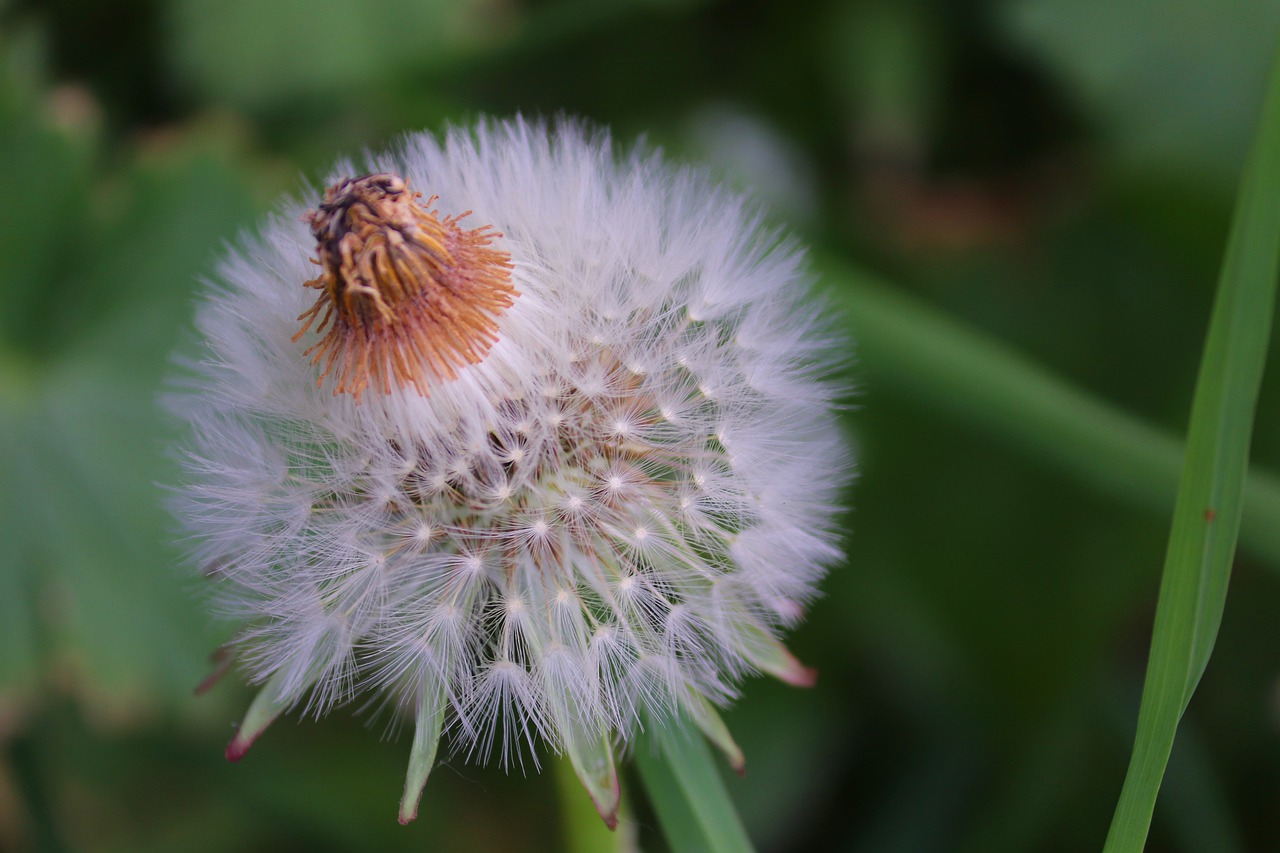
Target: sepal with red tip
pixel 707 718
pixel 428 722
pixel 768 654
pixel 266 706
pixel 592 758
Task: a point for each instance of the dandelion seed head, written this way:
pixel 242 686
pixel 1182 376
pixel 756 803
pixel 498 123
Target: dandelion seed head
pixel 535 477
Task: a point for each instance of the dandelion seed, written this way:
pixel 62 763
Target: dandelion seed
pixel 484 472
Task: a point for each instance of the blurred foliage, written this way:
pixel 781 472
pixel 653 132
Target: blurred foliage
pixel 1056 174
pixel 91 316
pixel 1140 75
pixel 254 56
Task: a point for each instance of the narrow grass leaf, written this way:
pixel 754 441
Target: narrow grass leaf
pixel 1206 519
pixel 687 791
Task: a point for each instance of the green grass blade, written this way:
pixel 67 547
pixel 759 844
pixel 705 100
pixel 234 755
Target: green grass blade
pixel 1206 519
pixel 907 347
pixel 687 791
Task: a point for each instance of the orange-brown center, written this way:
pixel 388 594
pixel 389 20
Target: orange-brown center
pixel 407 298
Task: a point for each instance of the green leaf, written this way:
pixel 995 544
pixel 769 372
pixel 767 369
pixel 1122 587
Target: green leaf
pixel 43 199
pixel 1207 516
pixel 93 593
pixel 687 790
pixel 19 632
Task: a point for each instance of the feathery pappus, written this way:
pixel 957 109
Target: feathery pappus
pixel 532 440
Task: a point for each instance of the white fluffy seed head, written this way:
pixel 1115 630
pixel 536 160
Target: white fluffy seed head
pixel 634 485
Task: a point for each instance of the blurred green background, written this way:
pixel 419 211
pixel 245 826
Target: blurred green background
pixel 1055 173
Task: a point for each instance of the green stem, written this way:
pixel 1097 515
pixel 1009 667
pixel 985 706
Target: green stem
pixel 907 347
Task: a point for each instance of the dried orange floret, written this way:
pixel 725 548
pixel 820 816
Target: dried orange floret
pixel 407 297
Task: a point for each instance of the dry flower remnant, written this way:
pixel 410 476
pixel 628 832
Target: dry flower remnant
pixel 405 296
pixel 539 483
